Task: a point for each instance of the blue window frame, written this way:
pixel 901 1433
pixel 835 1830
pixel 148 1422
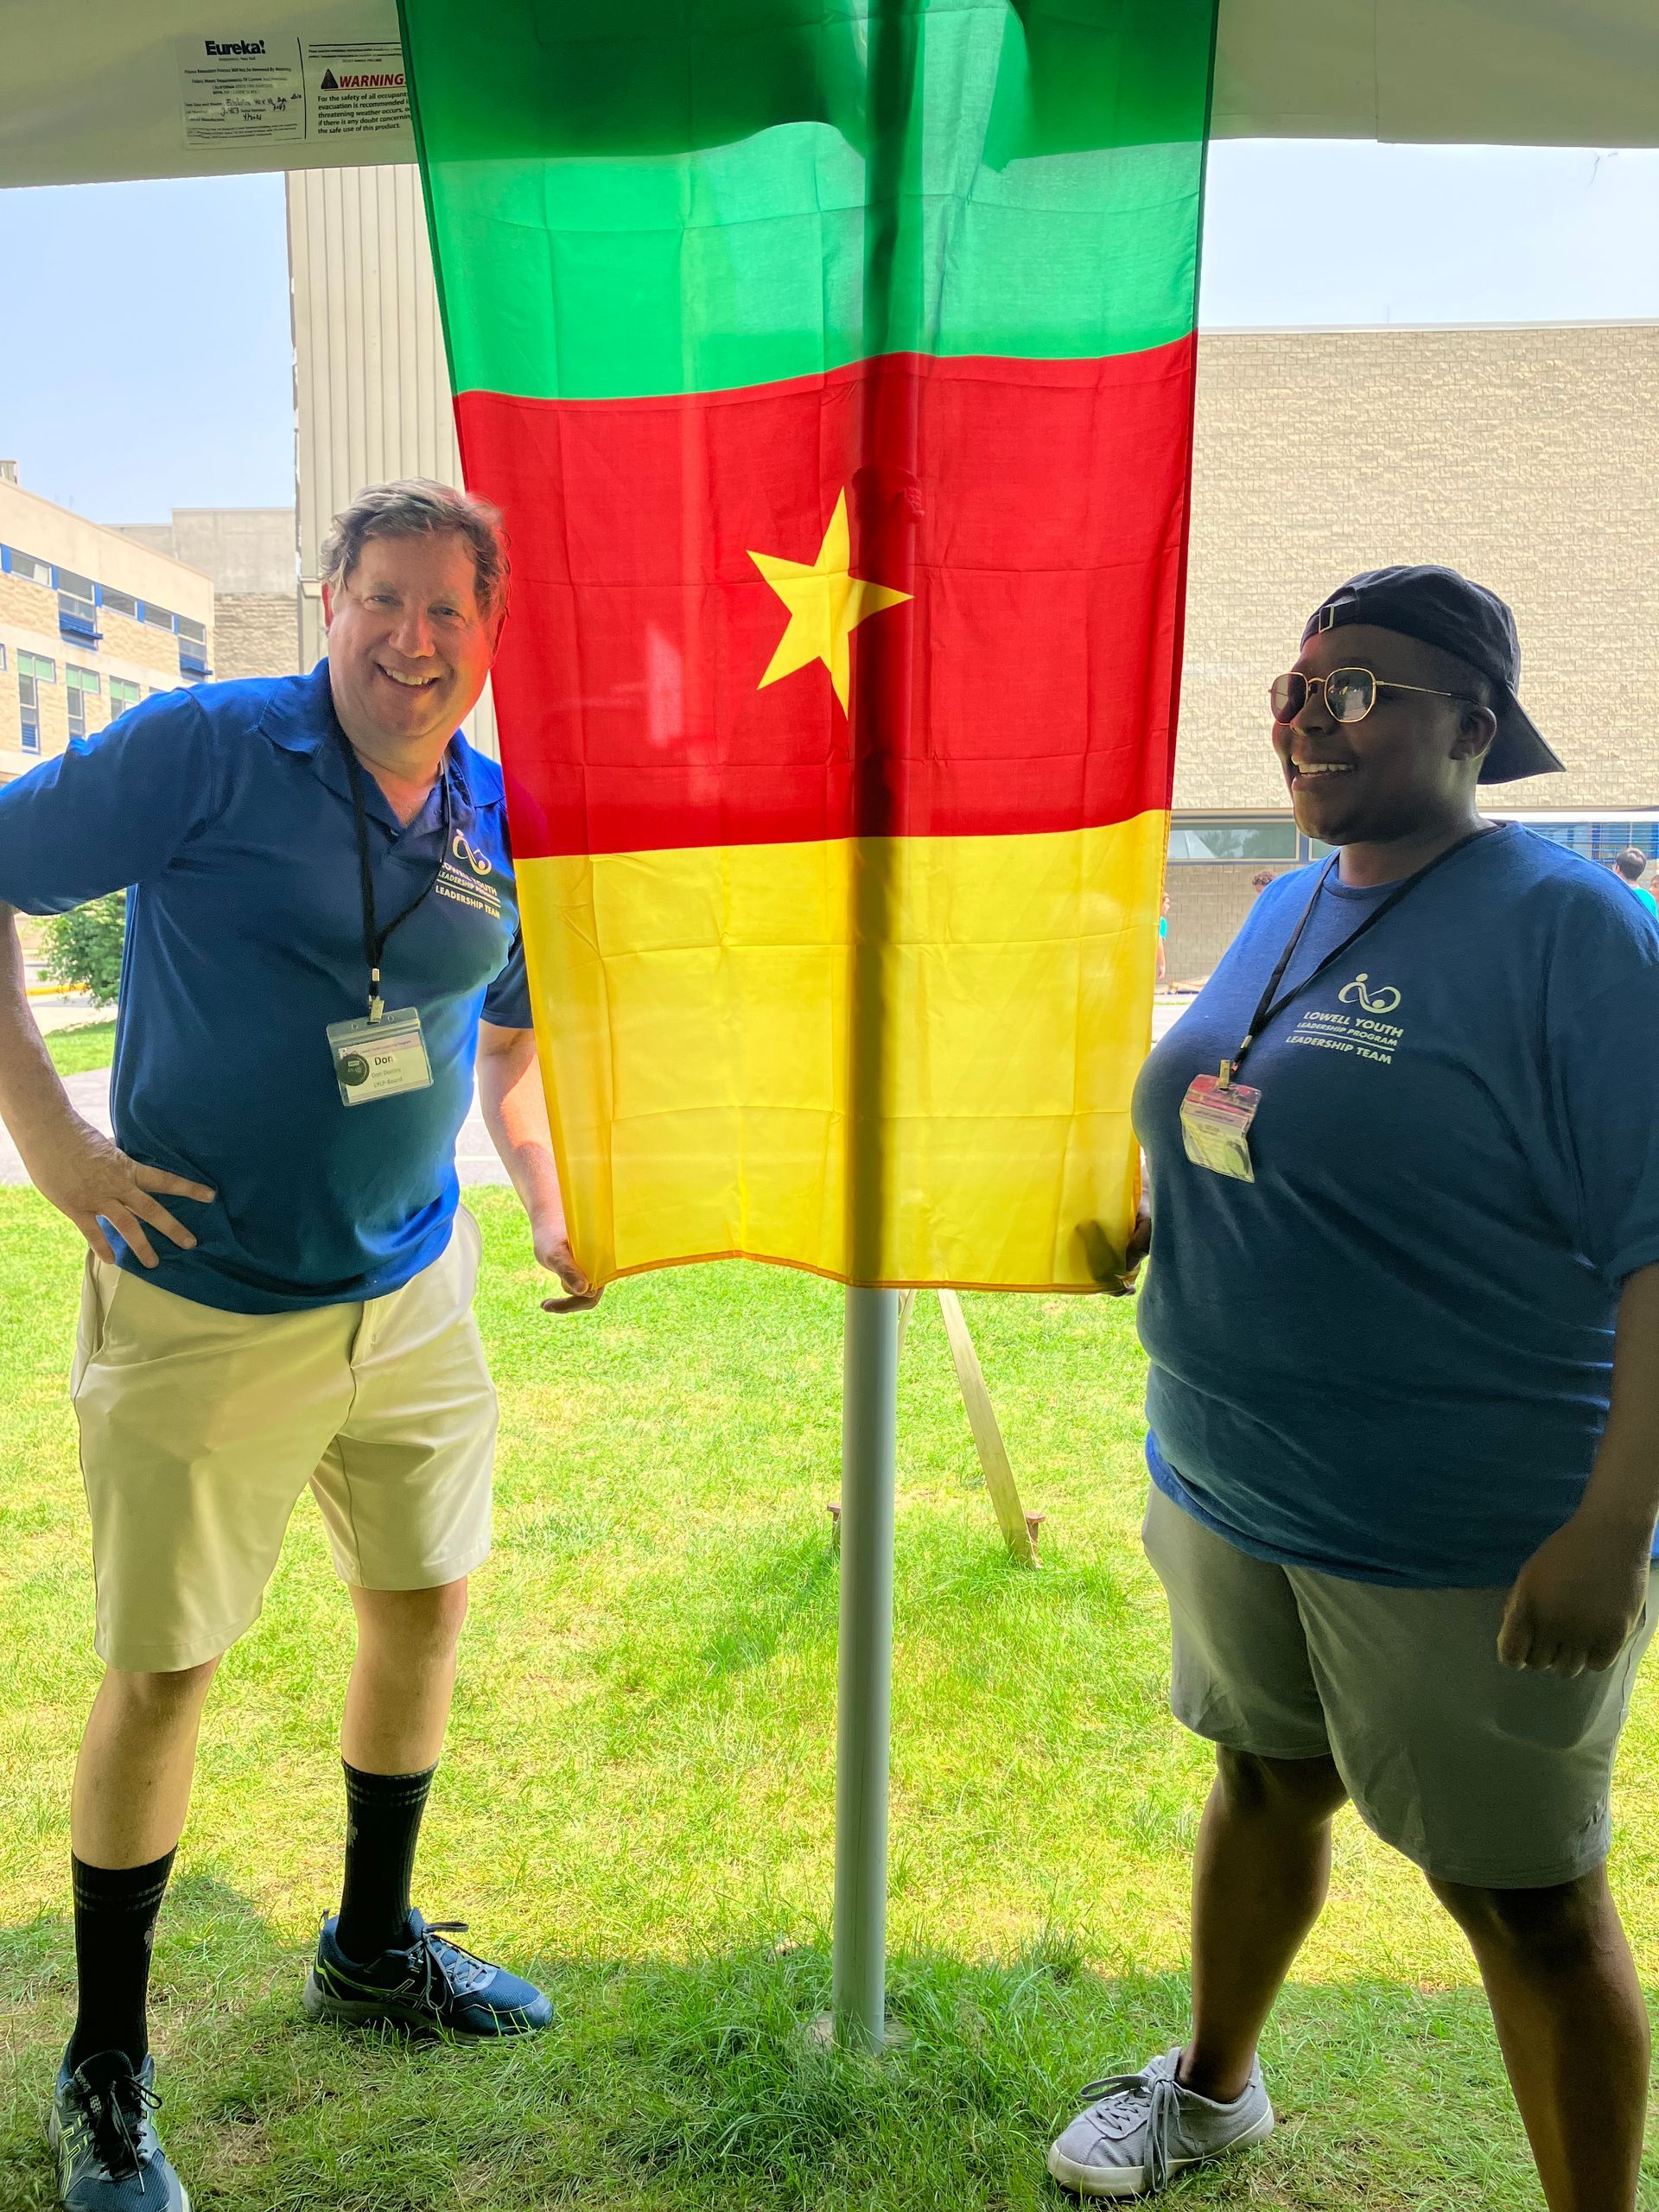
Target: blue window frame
pixel 14 563
pixel 193 647
pixel 1599 841
pixel 77 606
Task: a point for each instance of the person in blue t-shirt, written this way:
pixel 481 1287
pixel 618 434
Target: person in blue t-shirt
pixel 322 944
pixel 1630 865
pixel 1403 1321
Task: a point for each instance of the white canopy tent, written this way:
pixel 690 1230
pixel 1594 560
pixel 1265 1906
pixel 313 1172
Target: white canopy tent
pixel 96 90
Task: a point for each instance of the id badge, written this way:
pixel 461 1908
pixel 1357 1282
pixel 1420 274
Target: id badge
pixel 1216 1120
pixel 378 1059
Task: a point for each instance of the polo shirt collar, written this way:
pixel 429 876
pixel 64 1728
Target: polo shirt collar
pixel 301 718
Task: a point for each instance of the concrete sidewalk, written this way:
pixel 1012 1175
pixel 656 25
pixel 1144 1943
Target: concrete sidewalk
pixel 475 1159
pixel 89 1094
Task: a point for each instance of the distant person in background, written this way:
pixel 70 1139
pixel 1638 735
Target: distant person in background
pixel 1630 867
pixel 1261 880
pixel 1163 940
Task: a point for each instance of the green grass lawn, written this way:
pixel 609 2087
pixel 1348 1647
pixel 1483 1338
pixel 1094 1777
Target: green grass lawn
pixel 89 1045
pixel 638 1804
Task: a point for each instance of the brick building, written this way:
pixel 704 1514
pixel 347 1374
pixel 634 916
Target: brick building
pixel 250 555
pixel 1527 457
pixel 90 623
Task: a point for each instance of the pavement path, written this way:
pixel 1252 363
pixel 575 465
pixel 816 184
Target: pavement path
pixel 89 1094
pixel 475 1159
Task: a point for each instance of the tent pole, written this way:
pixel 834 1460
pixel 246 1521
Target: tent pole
pixel 869 1419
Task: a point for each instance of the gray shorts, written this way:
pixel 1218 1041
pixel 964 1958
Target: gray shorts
pixel 1482 1775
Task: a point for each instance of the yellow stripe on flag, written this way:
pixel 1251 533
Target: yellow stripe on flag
pixel 697 1064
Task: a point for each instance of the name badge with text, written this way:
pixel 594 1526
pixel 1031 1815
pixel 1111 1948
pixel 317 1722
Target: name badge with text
pixel 378 1059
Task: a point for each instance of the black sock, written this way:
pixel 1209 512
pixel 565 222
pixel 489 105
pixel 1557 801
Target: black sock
pixel 115 1926
pixel 383 1820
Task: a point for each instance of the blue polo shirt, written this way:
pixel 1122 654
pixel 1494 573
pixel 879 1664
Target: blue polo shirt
pixel 226 814
pixel 1389 1357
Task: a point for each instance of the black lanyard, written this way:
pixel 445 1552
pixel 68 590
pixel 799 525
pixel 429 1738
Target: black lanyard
pixel 1267 1007
pixel 375 940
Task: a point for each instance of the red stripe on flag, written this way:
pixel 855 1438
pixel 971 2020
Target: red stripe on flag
pixel 1035 510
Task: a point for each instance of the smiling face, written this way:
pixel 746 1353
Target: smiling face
pixel 1409 765
pixel 408 645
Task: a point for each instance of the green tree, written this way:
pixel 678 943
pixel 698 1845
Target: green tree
pixel 83 947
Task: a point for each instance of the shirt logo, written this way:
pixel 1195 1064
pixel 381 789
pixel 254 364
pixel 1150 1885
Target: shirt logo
pixel 1383 1001
pixel 477 861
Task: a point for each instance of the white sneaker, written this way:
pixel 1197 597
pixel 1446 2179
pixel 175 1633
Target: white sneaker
pixel 1143 2128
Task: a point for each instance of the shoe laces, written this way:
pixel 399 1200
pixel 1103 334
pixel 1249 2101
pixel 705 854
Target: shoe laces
pixel 113 2114
pixel 444 1968
pixel 1129 2101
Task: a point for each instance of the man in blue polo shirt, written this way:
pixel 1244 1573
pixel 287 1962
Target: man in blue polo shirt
pixel 1403 1321
pixel 322 946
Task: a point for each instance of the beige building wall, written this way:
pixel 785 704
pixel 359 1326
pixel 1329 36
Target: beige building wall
pixel 371 382
pixel 1527 458
pixel 250 554
pixel 258 634
pixel 137 655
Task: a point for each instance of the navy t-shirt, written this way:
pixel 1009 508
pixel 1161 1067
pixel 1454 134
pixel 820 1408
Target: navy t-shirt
pixel 226 813
pixel 1389 1357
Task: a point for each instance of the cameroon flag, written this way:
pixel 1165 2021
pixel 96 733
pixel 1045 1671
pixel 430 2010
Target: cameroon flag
pixel 833 363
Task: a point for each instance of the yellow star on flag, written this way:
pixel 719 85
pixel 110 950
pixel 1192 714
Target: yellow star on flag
pixel 826 604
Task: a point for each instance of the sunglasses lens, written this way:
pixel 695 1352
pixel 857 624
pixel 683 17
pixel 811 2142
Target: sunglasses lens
pixel 1350 694
pixel 1285 696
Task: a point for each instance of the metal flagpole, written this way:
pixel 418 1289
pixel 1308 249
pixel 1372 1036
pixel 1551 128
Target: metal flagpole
pixel 864 1702
pixel 880 704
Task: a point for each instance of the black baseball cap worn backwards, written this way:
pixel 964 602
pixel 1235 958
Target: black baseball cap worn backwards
pixel 1440 608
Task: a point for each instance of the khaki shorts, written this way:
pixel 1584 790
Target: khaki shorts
pixel 1482 1775
pixel 200 1429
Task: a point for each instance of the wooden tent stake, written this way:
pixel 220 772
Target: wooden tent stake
pixel 1018 1528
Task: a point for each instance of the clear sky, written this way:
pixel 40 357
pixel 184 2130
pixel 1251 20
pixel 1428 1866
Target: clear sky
pixel 147 365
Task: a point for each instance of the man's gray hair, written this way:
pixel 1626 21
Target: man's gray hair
pixel 418 507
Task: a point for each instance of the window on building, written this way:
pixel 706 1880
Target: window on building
pixel 77 604
pixel 123 694
pixel 193 646
pixel 1271 838
pixel 80 685
pixel 159 618
pixel 1600 840
pixel 2 660
pixel 33 671
pixel 118 602
pixel 14 563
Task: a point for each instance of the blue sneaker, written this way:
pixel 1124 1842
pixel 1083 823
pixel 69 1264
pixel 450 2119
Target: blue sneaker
pixel 429 1984
pixel 110 2158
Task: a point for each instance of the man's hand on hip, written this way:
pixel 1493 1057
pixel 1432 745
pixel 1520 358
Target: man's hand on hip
pixel 553 1252
pixel 1577 1601
pixel 92 1180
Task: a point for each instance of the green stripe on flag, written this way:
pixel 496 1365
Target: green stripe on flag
pixel 1053 165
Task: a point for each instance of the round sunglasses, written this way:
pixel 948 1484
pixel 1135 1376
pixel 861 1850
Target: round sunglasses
pixel 1349 693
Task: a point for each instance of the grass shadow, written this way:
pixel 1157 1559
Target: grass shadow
pixel 693 2084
